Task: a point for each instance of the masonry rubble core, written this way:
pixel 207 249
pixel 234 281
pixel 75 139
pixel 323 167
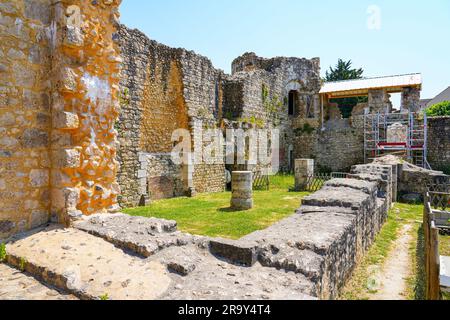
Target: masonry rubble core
pixel 87 112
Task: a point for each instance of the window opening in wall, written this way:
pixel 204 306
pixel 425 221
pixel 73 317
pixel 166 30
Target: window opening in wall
pixel 293 100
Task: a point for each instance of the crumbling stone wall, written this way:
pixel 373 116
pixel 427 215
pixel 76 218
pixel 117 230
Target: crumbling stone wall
pixel 410 100
pixel 259 93
pixel 412 179
pixel 439 143
pixel 25 114
pixel 58 85
pixel 159 177
pixel 164 89
pixel 336 148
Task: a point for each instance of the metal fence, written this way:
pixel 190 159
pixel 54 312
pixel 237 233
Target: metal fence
pixel 316 181
pixel 439 196
pixel 261 181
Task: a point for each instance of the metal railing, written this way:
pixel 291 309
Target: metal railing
pixel 261 181
pixel 316 181
pixel 439 196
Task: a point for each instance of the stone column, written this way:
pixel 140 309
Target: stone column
pixel 242 190
pixel 410 100
pixel 304 168
pixel 379 101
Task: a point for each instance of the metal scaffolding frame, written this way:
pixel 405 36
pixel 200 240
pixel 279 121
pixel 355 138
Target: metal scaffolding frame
pixel 376 143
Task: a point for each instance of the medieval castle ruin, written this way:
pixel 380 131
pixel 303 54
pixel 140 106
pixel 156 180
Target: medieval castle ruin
pixel 87 112
pixel 88 108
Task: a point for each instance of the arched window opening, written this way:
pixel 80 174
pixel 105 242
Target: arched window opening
pixel 293 100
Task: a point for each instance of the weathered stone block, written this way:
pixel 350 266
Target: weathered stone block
pixel 65 120
pixel 37 10
pixel 304 168
pixel 39 218
pixel 73 37
pixel 66 198
pixel 242 190
pixel 39 178
pixel 237 253
pixel 6 226
pixel 66 158
pixel 34 138
pixel 68 80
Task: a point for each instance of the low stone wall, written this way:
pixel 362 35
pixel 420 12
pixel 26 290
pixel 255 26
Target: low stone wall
pixel 410 178
pixel 335 149
pixel 327 237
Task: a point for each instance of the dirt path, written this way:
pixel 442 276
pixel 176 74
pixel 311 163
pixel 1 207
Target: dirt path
pixel 396 269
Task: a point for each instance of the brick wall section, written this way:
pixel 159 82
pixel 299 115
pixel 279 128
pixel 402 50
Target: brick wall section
pixel 439 143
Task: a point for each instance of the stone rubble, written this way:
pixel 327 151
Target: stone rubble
pixel 16 285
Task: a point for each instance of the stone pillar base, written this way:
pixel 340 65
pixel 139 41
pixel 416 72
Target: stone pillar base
pixel 304 168
pixel 242 190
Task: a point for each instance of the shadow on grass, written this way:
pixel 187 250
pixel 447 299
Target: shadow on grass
pixel 230 210
pixel 420 285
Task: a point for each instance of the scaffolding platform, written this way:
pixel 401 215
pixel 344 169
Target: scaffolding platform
pixel 401 134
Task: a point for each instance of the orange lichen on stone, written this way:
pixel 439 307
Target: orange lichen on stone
pixel 87 107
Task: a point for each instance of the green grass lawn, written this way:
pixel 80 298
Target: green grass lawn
pixel 210 214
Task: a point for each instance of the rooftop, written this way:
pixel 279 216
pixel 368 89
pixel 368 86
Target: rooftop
pixel 443 96
pixel 361 87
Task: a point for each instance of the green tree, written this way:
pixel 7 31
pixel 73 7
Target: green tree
pixel 344 71
pixel 441 109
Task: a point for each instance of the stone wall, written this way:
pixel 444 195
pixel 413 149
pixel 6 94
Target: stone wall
pixel 25 114
pixel 336 148
pixel 58 89
pixel 259 94
pixel 329 235
pixel 439 143
pixel 164 89
pixel 160 178
pixel 413 180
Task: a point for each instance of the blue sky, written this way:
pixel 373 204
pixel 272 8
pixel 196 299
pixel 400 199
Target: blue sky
pixel 414 36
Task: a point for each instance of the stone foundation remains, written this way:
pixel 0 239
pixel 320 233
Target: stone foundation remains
pixel 308 255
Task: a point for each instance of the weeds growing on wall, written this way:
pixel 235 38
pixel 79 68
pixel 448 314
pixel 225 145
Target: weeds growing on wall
pixel 22 264
pixel 104 297
pixel 2 252
pixel 306 129
pixel 273 106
